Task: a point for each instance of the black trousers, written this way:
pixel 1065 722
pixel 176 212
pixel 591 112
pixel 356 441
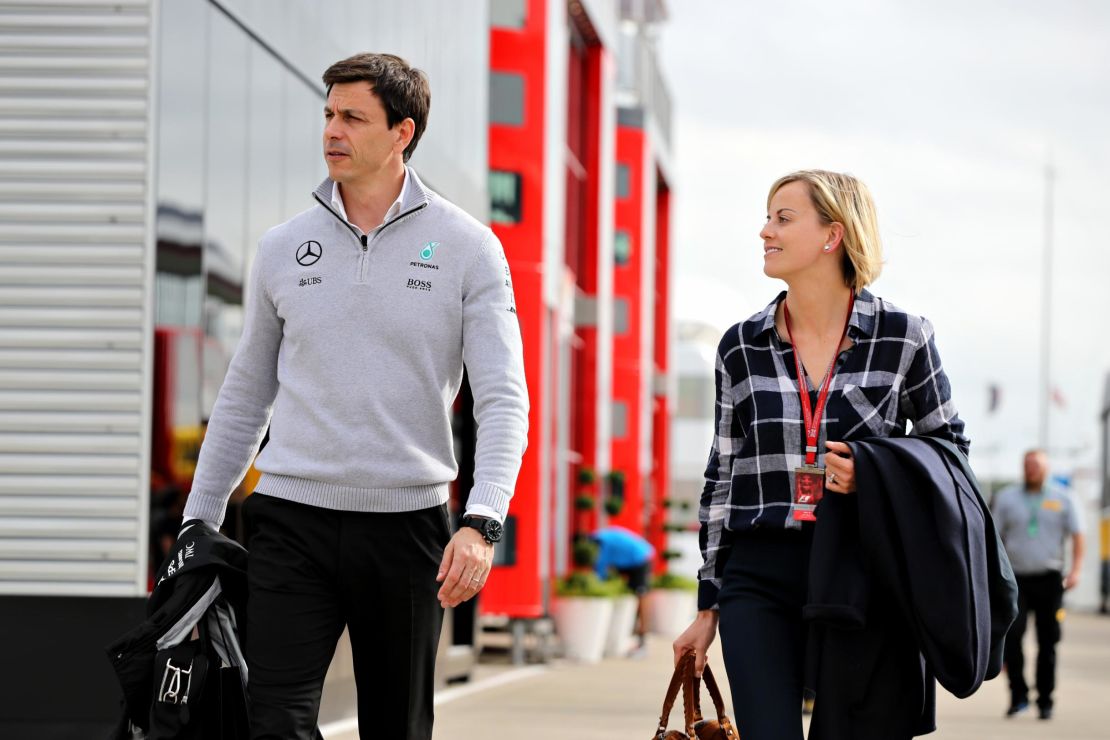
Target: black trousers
pixel 763 638
pixel 1042 594
pixel 310 572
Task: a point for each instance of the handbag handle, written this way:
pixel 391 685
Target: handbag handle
pixel 690 684
pixel 714 694
pixel 680 679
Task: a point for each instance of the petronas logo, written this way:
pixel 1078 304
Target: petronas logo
pixel 429 250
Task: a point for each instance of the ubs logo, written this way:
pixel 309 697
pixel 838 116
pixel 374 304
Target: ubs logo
pixel 415 284
pixel 309 253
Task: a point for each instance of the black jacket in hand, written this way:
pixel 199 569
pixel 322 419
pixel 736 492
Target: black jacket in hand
pixel 182 671
pixel 908 580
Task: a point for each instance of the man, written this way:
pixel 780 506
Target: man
pixel 631 556
pixel 1035 521
pixel 361 313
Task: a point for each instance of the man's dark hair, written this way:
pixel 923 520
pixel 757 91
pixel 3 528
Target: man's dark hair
pixel 403 90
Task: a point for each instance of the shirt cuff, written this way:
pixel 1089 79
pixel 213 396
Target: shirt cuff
pixel 707 595
pixel 487 511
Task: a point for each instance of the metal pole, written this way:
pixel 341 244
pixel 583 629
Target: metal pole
pixel 1046 310
pixel 1104 509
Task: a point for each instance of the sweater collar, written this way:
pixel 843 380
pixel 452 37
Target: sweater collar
pixel 414 195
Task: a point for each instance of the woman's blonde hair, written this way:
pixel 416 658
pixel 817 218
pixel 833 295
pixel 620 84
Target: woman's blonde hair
pixel 843 199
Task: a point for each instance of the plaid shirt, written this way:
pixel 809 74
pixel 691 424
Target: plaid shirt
pixel 890 376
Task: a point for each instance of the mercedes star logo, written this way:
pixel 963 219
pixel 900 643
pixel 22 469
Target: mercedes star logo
pixel 309 253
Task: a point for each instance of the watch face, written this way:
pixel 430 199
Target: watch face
pixel 493 530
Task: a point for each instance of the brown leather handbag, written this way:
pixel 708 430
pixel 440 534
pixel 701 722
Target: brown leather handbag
pixel 697 728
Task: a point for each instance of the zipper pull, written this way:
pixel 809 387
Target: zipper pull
pixel 363 239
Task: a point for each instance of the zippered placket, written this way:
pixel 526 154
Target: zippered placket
pixel 363 241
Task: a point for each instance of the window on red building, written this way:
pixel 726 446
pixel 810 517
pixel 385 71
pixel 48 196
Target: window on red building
pixel 504 197
pixel 622 248
pixel 508 13
pixel 506 98
pixel 624 181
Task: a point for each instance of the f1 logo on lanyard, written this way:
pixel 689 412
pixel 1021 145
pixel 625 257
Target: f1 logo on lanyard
pixel 809 479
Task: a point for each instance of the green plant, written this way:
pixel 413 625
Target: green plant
pixel 685 505
pixel 670 554
pixel 667 503
pixel 583 502
pixel 615 478
pixel 614 505
pixel 586 476
pixel 674 527
pixel 674 581
pixel 584 552
pixel 588 584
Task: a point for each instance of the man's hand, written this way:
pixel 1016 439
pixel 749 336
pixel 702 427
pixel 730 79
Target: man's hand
pixel 465 567
pixel 1071 580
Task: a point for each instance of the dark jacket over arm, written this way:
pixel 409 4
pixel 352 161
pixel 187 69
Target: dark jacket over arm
pixel 916 544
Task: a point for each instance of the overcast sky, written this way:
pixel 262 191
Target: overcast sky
pixel 949 112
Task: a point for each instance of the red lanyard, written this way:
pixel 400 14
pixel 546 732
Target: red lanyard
pixel 812 417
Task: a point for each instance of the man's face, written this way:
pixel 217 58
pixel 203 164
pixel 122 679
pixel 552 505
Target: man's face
pixel 1036 469
pixel 358 142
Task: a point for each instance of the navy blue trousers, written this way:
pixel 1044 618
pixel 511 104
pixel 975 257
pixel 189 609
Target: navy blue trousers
pixel 763 638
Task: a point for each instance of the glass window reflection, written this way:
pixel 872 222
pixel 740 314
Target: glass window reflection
pixel 225 222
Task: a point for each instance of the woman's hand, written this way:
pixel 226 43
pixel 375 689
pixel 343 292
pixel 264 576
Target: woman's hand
pixel 697 637
pixel 840 468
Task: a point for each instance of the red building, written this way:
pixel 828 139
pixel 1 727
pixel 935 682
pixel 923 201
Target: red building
pixel 580 198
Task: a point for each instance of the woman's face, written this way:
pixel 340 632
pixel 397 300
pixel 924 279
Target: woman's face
pixel 794 236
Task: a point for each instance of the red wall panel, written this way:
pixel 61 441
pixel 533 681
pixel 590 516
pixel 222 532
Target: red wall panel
pixel 627 345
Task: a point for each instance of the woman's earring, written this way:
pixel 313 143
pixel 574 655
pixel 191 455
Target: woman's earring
pixel 828 247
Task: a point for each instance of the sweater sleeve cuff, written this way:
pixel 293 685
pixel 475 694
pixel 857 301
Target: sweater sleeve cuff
pixel 486 494
pixel 707 595
pixel 208 508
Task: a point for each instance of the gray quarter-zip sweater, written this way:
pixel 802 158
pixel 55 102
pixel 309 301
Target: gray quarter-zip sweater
pixel 353 350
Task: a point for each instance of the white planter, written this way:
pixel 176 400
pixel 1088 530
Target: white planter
pixel 618 641
pixel 669 611
pixel 582 623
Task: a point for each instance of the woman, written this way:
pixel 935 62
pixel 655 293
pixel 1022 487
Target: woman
pixel 868 369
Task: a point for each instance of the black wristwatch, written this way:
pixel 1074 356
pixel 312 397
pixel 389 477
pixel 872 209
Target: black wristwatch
pixel 491 529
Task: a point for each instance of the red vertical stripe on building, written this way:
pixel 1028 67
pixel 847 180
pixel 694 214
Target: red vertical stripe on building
pixel 516 589
pixel 660 443
pixel 627 345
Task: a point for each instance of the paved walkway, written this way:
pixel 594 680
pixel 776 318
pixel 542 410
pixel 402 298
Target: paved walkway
pixel 619 699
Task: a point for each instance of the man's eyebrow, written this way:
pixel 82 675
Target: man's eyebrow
pixel 345 111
